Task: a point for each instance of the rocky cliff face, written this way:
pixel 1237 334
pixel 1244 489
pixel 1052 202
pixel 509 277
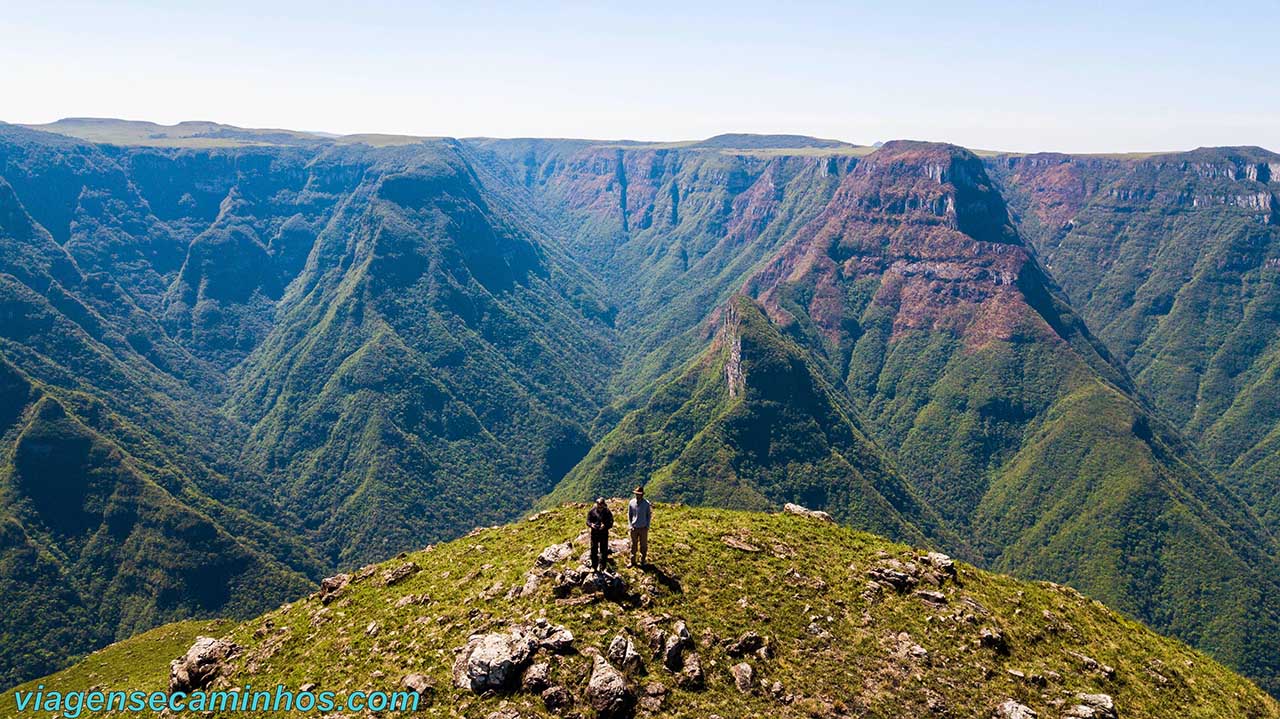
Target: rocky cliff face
pixel 363 349
pixel 257 338
pixel 924 223
pixel 999 405
pixel 671 233
pixel 1171 260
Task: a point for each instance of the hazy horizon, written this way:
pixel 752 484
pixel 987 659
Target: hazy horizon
pixel 1130 77
pixel 321 133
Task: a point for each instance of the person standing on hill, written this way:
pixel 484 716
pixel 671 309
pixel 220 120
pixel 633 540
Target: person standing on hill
pixel 599 521
pixel 639 513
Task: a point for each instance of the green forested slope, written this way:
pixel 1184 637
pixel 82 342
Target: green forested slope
pixel 671 233
pixel 322 352
pixel 1172 260
pixel 751 425
pixel 428 370
pixel 1006 414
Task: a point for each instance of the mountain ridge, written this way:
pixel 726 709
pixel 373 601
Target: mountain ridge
pixel 371 345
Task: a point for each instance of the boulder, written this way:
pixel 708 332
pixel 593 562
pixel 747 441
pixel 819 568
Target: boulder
pixel 607 690
pixel 536 678
pixel 672 653
pixel 553 555
pixel 557 699
pixel 399 573
pixel 746 644
pixel 993 639
pixel 552 637
pixel 204 662
pixel 744 676
pixel 692 676
pixel 622 653
pixel 331 587
pixel 418 683
pixel 1010 709
pixel 1092 706
pixel 798 510
pixel 941 563
pixel 493 661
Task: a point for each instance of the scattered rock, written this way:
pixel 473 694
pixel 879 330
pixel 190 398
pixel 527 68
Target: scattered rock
pixel 399 573
pixel 536 678
pixel 743 676
pixel 739 544
pixel 308 687
pixel 908 648
pixel 412 600
pixel 553 555
pixel 654 696
pixel 893 573
pixel 746 644
pixel 692 676
pixel 798 579
pixel 418 683
pixel 201 665
pixel 941 563
pixel 806 512
pixel 1092 706
pixel 492 661
pixel 993 639
pixel 331 587
pixel 622 652
pixel 607 690
pixel 1093 665
pixel 552 637
pixel 937 598
pixel 1010 709
pixel 606 583
pixel 507 713
pixel 557 699
pixel 818 631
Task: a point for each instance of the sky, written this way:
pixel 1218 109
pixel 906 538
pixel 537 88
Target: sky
pixel 1018 76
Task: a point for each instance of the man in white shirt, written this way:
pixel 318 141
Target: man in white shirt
pixel 639 514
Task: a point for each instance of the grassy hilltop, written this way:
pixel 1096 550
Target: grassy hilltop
pixel 840 643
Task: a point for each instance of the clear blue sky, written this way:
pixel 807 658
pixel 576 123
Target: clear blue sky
pixel 1072 76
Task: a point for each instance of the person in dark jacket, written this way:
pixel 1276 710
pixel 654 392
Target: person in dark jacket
pixel 599 521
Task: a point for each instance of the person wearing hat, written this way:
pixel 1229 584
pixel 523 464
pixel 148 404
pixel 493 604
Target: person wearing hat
pixel 599 521
pixel 639 513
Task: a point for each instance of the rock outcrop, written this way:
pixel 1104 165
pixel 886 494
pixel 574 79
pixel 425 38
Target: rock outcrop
pixel 493 661
pixel 608 691
pixel 497 660
pixel 203 663
pixel 1092 706
pixel 1010 709
pixel 806 512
